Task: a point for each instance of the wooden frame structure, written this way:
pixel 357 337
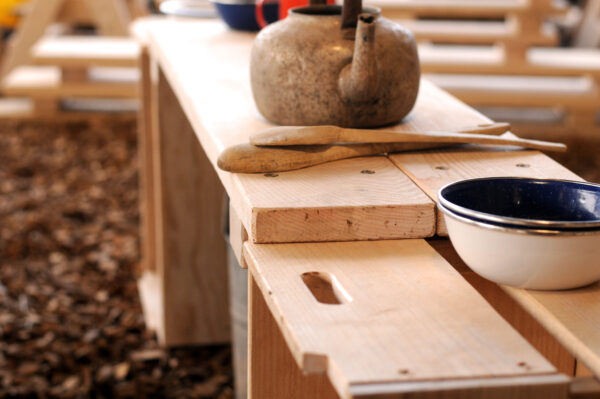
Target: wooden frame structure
pixel 49 68
pixel 362 318
pixel 504 54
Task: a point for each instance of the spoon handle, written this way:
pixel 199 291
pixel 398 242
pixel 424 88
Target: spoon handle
pixel 308 135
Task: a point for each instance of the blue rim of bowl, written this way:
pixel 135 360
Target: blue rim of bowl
pixel 517 229
pixel 510 221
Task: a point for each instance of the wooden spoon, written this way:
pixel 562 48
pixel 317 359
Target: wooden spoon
pixel 308 135
pixel 248 158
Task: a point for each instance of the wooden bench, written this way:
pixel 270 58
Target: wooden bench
pixel 505 38
pixel 47 87
pixel 408 323
pixel 35 43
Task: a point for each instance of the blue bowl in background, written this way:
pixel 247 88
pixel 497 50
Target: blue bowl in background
pixel 240 15
pixel 524 202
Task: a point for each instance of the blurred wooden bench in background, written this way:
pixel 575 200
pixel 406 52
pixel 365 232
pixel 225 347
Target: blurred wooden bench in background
pixel 503 56
pixel 51 68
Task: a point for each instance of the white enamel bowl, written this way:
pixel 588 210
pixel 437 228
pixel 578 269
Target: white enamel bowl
pixel 540 260
pixel 557 247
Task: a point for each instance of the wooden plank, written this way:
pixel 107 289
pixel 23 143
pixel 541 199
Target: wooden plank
pixel 40 15
pixel 401 319
pixel 571 316
pixel 545 61
pixel 44 81
pixel 191 263
pixel 510 310
pixel 476 32
pixel 462 8
pixel 110 16
pixel 432 170
pixel 521 91
pixel 375 201
pixel 273 372
pixel 84 51
pixel 75 12
pixel 212 85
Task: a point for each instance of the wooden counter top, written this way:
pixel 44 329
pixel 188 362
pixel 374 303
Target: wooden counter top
pixel 332 202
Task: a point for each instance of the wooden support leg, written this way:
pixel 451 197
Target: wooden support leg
pixel 190 250
pixel 46 106
pixel 149 285
pixel 273 372
pixel 111 16
pixel 74 75
pixel 40 16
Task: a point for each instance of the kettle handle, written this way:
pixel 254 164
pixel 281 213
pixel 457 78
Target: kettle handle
pixel 259 14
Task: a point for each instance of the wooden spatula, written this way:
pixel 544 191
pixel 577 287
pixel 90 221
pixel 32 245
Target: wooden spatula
pixel 248 158
pixel 309 135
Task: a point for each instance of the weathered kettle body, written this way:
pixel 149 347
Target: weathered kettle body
pixel 307 70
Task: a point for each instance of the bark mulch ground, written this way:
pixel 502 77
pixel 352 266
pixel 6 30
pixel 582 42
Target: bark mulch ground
pixel 71 324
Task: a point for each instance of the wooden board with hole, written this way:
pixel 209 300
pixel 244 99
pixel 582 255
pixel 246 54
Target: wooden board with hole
pixel 83 51
pixel 383 318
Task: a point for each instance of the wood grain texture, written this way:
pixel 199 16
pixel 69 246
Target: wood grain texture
pixel 190 262
pixel 508 308
pixel 571 316
pixel 474 31
pixel 212 85
pixel 404 319
pixel 432 170
pixel 461 8
pixel 111 17
pixel 84 51
pixel 375 201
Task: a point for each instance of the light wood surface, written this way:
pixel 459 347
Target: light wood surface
pixel 462 8
pixel 375 201
pixel 110 16
pixel 474 31
pixel 45 81
pixel 571 316
pixel 518 91
pixel 432 170
pixel 510 310
pixel 84 51
pixel 215 82
pixel 401 320
pixel 543 61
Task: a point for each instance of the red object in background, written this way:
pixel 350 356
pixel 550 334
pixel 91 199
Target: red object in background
pixel 284 7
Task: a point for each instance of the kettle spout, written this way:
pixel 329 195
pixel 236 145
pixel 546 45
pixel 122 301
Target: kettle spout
pixel 358 80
